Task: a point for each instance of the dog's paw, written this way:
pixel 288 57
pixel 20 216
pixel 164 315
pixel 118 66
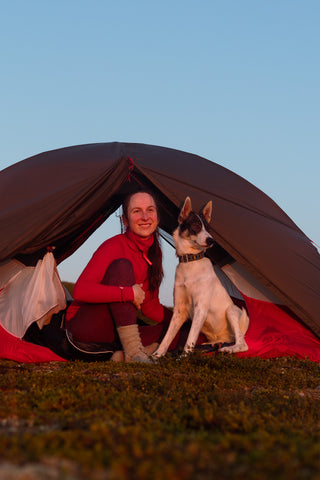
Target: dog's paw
pixel 157 355
pixel 236 348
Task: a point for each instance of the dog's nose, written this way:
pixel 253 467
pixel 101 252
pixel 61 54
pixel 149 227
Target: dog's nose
pixel 209 241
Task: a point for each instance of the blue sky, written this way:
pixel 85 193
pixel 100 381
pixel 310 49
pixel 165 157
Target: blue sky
pixel 235 81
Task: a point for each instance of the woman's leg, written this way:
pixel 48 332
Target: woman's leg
pixel 120 272
pixel 90 323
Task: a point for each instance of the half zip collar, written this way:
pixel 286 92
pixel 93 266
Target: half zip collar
pixel 140 243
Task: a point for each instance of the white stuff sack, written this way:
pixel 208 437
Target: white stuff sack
pixel 29 294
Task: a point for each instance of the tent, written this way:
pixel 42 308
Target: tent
pixel 60 197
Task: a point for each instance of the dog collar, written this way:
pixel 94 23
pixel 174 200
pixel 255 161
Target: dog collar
pixel 190 257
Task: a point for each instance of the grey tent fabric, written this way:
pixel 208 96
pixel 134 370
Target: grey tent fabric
pixel 60 197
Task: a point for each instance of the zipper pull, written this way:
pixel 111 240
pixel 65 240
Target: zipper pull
pixel 146 259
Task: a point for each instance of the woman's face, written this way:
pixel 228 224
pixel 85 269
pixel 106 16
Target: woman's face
pixel 142 215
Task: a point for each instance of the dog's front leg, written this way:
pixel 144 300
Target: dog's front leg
pixel 197 322
pixel 177 320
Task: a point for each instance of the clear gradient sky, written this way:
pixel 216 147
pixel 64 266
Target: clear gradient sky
pixel 234 81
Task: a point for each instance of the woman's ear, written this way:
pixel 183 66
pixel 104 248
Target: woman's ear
pixel 125 221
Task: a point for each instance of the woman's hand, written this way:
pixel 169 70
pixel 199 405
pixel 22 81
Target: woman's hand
pixel 138 295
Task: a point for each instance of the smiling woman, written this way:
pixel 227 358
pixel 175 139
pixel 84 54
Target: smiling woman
pixel 122 277
pixel 140 214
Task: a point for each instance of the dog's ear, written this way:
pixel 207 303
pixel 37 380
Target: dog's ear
pixel 207 210
pixel 185 210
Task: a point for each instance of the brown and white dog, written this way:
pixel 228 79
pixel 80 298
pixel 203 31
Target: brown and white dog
pixel 198 292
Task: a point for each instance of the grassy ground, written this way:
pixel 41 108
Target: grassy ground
pixel 202 417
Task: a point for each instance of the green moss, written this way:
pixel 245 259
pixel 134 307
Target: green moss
pixel 192 418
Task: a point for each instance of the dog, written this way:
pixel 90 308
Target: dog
pixel 198 292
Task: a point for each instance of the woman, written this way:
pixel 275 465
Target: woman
pixel 122 277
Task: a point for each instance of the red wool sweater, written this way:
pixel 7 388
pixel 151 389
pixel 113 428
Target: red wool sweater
pixel 90 290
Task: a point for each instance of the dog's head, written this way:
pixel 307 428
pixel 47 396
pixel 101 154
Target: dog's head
pixel 194 227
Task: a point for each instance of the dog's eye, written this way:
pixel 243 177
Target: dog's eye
pixel 195 228
pixel 194 224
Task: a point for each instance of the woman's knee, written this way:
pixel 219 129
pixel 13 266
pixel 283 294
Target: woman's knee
pixel 119 272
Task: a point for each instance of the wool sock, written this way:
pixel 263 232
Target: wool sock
pixel 133 349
